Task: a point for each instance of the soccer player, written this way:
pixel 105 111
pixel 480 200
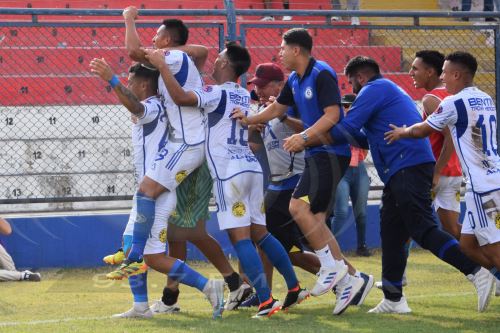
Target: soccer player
pixel 406 168
pixel 148 135
pixel 470 115
pixel 313 89
pixel 425 71
pixel 236 172
pixel 286 170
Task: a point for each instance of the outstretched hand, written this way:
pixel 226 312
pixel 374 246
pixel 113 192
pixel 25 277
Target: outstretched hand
pixel 101 68
pixel 155 57
pixel 240 116
pixel 395 134
pixel 294 143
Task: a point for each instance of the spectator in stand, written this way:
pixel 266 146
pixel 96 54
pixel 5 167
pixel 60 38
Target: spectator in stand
pixel 350 5
pixel 355 184
pixel 8 270
pixel 487 7
pixel 268 5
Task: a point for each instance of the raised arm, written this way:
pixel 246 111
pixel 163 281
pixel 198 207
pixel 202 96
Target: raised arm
pixel 179 96
pixel 5 228
pixel 132 40
pixel 126 97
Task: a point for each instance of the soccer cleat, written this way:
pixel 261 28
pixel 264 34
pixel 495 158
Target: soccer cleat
pixel 237 296
pixel 346 291
pixel 328 278
pixel 364 291
pixel 30 276
pixel 386 306
pixel 294 296
pixel 268 308
pixel 214 291
pixel 159 307
pixel 483 282
pixel 115 258
pixel 251 300
pixel 497 289
pixel 128 268
pixel 134 313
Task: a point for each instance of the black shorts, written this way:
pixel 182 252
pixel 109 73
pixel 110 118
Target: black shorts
pixel 319 180
pixel 279 222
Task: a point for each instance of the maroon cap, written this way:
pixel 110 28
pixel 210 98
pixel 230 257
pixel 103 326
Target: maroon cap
pixel 265 73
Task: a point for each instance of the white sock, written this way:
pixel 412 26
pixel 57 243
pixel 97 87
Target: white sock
pixel 344 281
pixel 325 257
pixel 357 274
pixel 141 306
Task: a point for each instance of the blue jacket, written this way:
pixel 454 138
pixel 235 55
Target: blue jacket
pixel 379 103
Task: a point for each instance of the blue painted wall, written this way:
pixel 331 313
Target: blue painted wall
pixel 82 241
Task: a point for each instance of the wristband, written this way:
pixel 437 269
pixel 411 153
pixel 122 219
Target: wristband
pixel 283 118
pixel 114 81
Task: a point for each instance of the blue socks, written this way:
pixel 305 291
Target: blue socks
pixel 142 225
pixel 127 243
pixel 139 287
pixel 276 253
pixel 252 266
pixel 186 275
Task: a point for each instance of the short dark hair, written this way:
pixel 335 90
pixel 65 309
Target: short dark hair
pixel 432 58
pixel 145 73
pixel 178 30
pixel 465 59
pixel 300 37
pixel 361 63
pixel 239 58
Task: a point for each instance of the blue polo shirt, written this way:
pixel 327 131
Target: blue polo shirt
pixel 379 103
pixel 310 94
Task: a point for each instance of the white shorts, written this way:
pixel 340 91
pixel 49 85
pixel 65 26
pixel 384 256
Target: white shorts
pixel 174 163
pixel 482 217
pixel 240 201
pixel 446 194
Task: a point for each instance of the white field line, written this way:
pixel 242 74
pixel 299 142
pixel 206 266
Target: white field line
pixel 65 320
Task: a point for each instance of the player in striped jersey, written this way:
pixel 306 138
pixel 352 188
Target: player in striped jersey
pixel 236 172
pixel 470 115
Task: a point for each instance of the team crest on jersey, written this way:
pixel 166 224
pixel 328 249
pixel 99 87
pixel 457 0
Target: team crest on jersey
pixel 457 196
pixel 162 235
pixel 308 93
pixel 180 176
pixel 439 110
pixel 207 89
pixel 239 209
pixel 497 220
pixel 166 53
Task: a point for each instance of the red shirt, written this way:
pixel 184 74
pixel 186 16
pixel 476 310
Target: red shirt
pixel 452 168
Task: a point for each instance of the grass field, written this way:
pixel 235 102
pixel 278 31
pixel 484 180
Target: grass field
pixel 67 300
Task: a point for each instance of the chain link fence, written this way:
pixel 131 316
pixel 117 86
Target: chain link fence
pixel 65 138
pixel 64 134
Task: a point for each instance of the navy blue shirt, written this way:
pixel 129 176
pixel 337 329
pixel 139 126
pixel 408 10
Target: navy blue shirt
pixel 379 103
pixel 316 90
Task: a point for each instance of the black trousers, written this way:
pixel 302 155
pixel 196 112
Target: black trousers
pixel 407 212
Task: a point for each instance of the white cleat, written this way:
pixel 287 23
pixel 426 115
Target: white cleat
pixel 159 307
pixel 483 282
pixel 346 291
pixel 237 296
pixel 328 278
pixel 497 290
pixel 134 313
pixel 386 306
pixel 214 291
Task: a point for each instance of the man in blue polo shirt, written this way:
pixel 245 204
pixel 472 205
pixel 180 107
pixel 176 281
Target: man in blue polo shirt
pixel 312 88
pixel 406 167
